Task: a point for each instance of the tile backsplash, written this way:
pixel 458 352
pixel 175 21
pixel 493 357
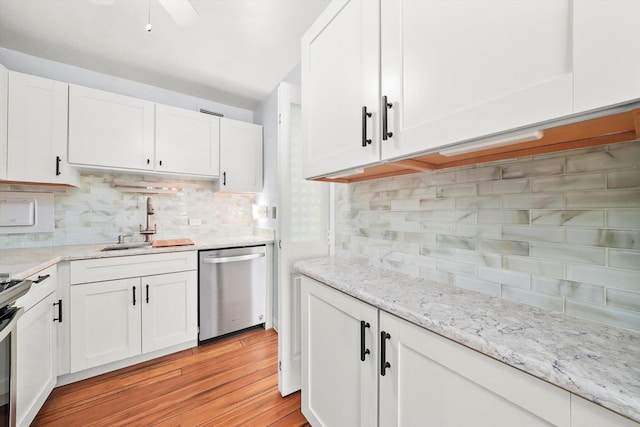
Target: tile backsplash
pixel 559 231
pixel 98 211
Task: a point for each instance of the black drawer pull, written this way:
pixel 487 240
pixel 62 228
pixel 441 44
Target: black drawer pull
pixel 385 118
pixel 147 294
pixel 383 353
pixel 134 295
pixel 41 278
pixel 365 141
pixel 59 304
pixel 363 347
pixel 58 159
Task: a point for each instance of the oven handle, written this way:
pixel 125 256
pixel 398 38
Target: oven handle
pixel 221 260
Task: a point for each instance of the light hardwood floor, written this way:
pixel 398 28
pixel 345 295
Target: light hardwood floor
pixel 230 382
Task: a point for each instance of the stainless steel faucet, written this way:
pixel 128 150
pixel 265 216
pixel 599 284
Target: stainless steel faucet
pixel 148 232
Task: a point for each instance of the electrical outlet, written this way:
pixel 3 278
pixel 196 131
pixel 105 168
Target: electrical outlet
pixel 195 221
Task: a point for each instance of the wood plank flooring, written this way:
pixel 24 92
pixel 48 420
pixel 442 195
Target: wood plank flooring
pixel 230 382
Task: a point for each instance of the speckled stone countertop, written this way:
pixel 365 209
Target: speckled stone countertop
pixel 595 361
pixel 21 263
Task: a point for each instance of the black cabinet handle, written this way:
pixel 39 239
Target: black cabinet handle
pixel 385 119
pixel 363 347
pixel 59 304
pixel 148 161
pixel 383 353
pixel 160 162
pixel 147 294
pixel 224 178
pixel 58 159
pixel 365 141
pixel 134 295
pixel 41 279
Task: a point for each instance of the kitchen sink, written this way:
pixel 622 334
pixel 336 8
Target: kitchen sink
pixel 129 245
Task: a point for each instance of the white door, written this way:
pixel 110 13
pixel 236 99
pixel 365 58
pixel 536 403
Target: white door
pixel 606 72
pixel 434 381
pixel 456 70
pixel 37 130
pixel 302 232
pixel 240 156
pixel 105 325
pixel 110 130
pixel 169 310
pixel 340 76
pixel 187 141
pixel 36 359
pixel 339 381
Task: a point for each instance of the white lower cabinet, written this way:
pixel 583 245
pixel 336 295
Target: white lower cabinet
pixel 338 387
pixel 137 312
pixel 36 353
pixel 105 324
pixel 169 307
pixel 117 319
pixel 433 379
pixel 414 377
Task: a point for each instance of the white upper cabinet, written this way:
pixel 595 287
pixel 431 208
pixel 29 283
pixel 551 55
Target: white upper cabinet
pixel 37 131
pixel 110 130
pixel 187 142
pixel 340 77
pixel 240 156
pixel 606 62
pixel 457 70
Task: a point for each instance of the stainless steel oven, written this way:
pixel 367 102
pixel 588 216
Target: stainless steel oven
pixel 10 291
pixel 8 323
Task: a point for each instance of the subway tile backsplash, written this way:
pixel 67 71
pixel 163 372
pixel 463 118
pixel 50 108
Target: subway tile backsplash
pixel 559 231
pixel 97 212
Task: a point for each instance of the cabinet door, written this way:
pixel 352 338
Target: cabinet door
pixel 36 367
pixel 110 130
pixel 458 70
pixel 435 381
pixel 187 141
pixel 37 131
pixel 169 310
pixel 589 414
pixel 606 72
pixel 105 322
pixel 340 76
pixel 338 388
pixel 240 156
pixel 4 86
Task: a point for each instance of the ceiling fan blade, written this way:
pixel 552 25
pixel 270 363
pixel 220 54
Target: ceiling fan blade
pixel 182 11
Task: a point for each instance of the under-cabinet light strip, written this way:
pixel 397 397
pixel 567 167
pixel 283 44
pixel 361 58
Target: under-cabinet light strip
pixel 464 149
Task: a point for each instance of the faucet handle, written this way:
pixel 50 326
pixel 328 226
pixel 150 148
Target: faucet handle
pixel 122 236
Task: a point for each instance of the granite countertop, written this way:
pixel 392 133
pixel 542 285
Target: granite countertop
pixel 24 262
pixel 598 362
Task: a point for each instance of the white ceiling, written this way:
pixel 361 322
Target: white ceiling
pixel 235 52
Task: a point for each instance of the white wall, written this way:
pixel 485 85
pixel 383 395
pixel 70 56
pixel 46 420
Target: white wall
pixel 18 61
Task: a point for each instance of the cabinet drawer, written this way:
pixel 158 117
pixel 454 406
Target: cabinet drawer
pixel 40 290
pixel 95 270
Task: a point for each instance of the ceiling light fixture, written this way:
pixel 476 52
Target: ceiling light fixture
pixel 149 26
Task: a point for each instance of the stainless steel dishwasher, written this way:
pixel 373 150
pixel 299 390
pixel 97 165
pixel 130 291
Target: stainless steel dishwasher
pixel 232 290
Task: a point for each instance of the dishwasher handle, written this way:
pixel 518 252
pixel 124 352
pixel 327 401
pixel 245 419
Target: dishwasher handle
pixel 222 260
